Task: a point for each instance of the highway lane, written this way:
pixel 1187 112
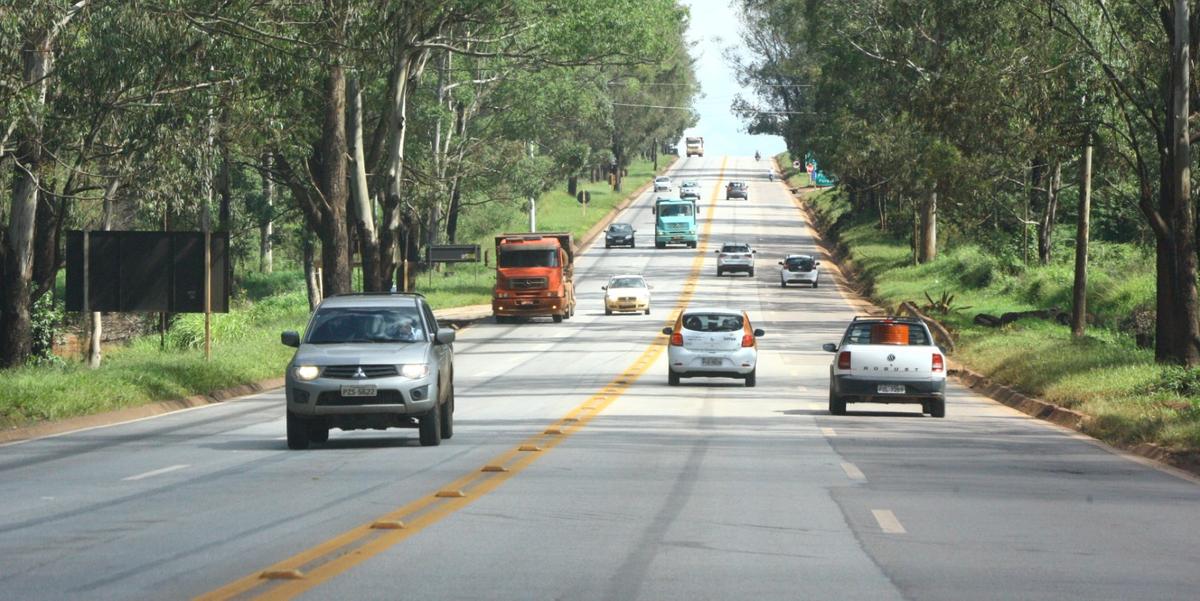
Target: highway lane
pixel 706 491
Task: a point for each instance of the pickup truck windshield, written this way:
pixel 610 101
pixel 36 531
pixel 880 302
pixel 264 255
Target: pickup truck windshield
pixel 675 210
pixel 540 257
pixel 346 325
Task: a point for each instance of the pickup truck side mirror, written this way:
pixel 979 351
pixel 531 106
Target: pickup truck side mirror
pixel 604 287
pixel 290 338
pixel 816 263
pixel 781 262
pixel 718 251
pixel 759 333
pixel 754 252
pixel 445 335
pixel 829 347
pixel 667 330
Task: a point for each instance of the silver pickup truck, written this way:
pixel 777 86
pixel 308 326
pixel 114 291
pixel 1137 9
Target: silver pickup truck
pixel 887 360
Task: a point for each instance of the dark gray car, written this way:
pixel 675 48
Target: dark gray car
pixel 370 361
pixel 619 234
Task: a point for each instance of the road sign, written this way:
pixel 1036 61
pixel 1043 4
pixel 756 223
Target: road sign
pixel 453 253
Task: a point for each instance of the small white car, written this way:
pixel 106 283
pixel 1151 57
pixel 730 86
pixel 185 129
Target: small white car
pixel 712 343
pixel 662 183
pixel 690 188
pixel 887 360
pixel 735 256
pixel 799 269
pixel 626 293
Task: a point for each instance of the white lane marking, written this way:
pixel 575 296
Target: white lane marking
pixel 830 432
pixel 158 472
pixel 852 471
pixel 888 522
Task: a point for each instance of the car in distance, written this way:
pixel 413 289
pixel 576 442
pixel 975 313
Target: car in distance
pixel 887 360
pixel 662 183
pixel 799 269
pixel 626 293
pixel 712 343
pixel 690 188
pixel 733 256
pixel 737 190
pixel 619 234
pixel 370 361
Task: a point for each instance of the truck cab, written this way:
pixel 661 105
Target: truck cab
pixel 534 276
pixel 695 146
pixel 675 222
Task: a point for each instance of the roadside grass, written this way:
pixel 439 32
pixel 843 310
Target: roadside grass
pixel 1105 375
pixel 246 344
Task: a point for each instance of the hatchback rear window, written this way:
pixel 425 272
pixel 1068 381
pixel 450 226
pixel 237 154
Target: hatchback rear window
pixel 735 248
pixel 712 322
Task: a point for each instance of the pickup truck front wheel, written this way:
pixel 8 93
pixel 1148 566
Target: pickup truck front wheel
pixel 297 432
pixel 431 428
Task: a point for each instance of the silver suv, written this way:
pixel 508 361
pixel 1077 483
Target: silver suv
pixel 373 360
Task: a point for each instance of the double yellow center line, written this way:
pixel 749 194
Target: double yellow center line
pixel 314 566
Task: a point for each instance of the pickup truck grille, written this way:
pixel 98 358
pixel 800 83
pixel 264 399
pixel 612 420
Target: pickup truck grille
pixel 350 372
pixel 529 283
pixel 333 398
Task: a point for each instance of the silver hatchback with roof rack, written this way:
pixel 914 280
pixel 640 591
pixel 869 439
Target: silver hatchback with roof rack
pixel 370 361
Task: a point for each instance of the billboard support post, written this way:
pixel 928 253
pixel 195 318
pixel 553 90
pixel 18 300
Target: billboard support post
pixel 207 295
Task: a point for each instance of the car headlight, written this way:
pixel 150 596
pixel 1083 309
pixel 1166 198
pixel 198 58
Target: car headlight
pixel 414 371
pixel 306 372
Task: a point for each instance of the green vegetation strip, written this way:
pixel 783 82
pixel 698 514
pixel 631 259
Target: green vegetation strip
pixel 1128 398
pixel 246 346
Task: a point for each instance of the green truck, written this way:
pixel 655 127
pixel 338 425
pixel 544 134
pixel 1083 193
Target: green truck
pixel 675 222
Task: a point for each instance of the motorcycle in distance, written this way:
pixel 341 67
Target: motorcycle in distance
pixel 757 156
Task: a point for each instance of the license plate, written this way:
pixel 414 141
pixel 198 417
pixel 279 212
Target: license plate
pixel 350 391
pixel 710 361
pixel 890 389
pixel 526 303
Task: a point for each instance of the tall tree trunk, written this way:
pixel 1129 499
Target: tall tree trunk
pixel 363 213
pixel 97 335
pixel 1082 235
pixel 15 302
pixel 1049 215
pixel 455 207
pixel 335 244
pixel 927 251
pixel 394 214
pixel 572 185
pixel 311 282
pixel 266 225
pixel 225 187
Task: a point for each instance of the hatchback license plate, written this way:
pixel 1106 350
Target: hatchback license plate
pixel 710 361
pixel 350 391
pixel 890 389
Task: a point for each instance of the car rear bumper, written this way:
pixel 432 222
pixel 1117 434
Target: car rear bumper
pixel 803 278
pixel 736 266
pixel 689 364
pixel 857 388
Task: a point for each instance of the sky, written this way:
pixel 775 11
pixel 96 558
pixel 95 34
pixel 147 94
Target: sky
pixel 715 26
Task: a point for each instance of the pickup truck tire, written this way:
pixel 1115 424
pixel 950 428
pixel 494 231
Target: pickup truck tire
pixel 431 428
pixel 837 404
pixel 814 284
pixel 557 318
pixel 297 432
pixel 937 408
pixel 751 273
pixel 318 430
pixel 672 378
pixel 752 378
pixel 447 417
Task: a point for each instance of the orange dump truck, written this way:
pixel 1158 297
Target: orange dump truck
pixel 533 276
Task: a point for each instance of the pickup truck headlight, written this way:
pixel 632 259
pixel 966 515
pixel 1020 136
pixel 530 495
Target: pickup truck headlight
pixel 414 371
pixel 306 373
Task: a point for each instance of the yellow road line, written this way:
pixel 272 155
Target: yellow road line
pixel 309 568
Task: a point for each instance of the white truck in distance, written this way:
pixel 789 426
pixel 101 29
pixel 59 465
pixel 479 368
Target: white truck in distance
pixel 695 146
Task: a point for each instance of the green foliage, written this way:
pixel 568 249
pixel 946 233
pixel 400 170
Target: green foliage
pixel 47 325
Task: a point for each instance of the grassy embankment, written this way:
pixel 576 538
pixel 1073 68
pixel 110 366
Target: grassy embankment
pixel 246 341
pixel 1128 397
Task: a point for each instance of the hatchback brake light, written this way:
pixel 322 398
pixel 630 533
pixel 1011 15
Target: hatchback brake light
pixel 844 360
pixel 677 339
pixel 939 364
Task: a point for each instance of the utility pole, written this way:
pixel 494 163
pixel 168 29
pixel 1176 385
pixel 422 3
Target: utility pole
pixel 1082 234
pixel 532 201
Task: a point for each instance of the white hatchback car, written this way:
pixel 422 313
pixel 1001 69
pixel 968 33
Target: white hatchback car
pixel 712 343
pixel 662 183
pixel 735 256
pixel 799 269
pixel 626 293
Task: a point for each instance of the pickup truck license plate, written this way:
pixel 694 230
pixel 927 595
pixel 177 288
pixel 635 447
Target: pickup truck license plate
pixel 710 361
pixel 360 390
pixel 890 389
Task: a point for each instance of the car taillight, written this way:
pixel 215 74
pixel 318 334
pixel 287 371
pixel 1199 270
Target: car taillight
pixel 747 340
pixel 844 360
pixel 939 364
pixel 677 339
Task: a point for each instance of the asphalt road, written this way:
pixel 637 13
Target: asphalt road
pixel 639 491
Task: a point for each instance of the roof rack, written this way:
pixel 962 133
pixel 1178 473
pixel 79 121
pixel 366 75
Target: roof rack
pixel 899 318
pixel 378 293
